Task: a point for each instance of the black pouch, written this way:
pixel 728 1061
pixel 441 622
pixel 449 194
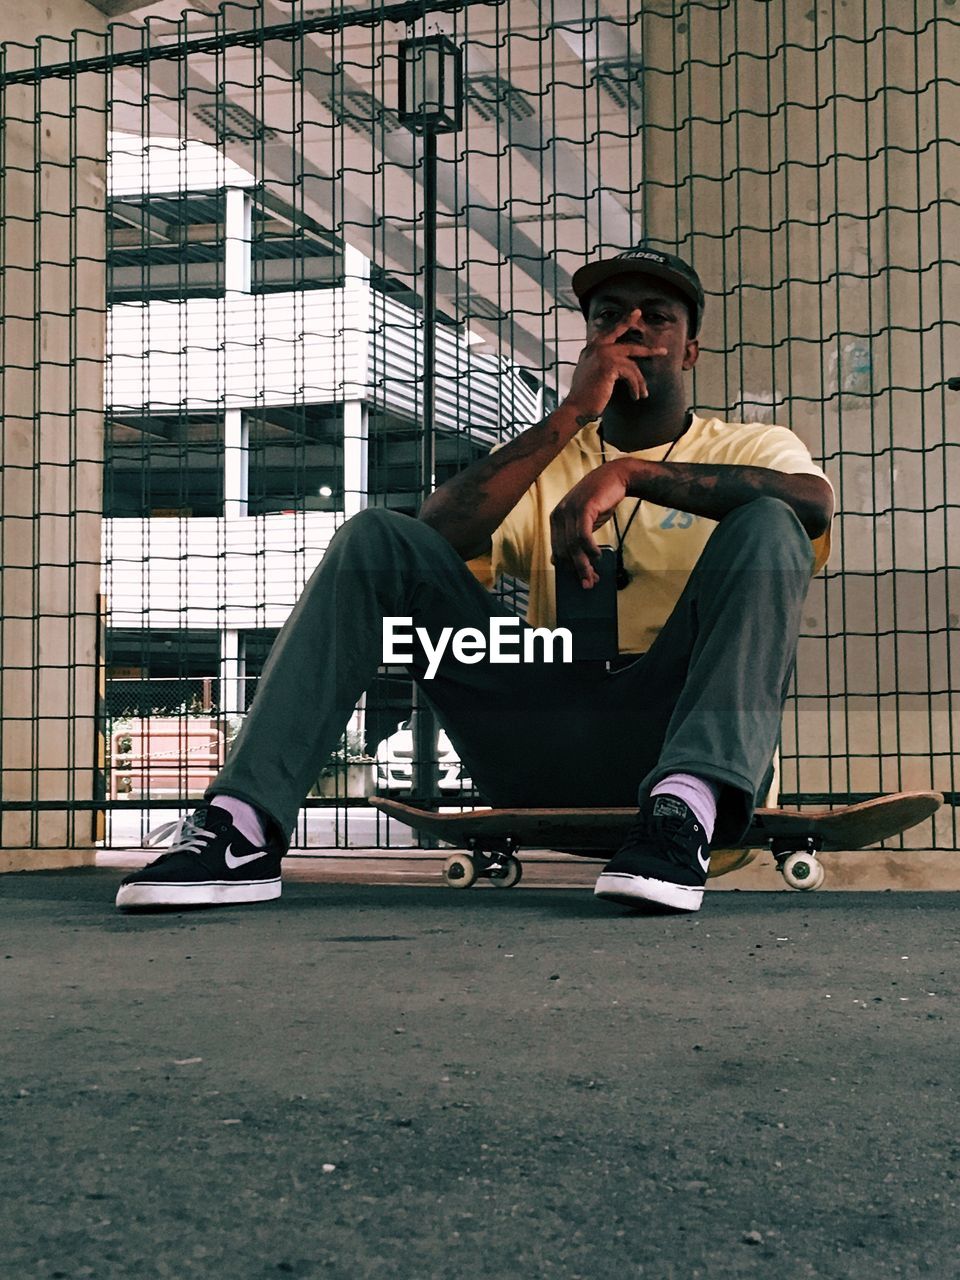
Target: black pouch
pixel 590 614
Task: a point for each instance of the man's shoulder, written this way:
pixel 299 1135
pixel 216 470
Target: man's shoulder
pixel 713 425
pixel 728 436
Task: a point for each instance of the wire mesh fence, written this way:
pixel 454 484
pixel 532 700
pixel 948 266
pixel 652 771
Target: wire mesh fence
pixel 224 334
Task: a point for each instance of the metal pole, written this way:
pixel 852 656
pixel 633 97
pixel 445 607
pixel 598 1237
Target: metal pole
pixel 427 439
pixel 245 37
pixel 425 724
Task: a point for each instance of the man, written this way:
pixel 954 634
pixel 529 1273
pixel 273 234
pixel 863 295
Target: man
pixel 713 525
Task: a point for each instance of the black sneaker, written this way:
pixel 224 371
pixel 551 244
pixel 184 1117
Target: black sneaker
pixel 209 863
pixel 663 861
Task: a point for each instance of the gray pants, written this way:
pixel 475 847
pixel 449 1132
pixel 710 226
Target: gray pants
pixel 706 699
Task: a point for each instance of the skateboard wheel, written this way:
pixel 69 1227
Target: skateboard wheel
pixel 802 871
pixel 820 874
pixel 460 871
pixel 512 873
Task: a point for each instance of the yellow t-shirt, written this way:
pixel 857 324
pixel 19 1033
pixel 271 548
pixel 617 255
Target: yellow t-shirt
pixel 662 545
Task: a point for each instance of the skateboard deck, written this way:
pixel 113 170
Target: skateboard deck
pixel 794 836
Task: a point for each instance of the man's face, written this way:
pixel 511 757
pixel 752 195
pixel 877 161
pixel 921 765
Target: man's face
pixel 661 318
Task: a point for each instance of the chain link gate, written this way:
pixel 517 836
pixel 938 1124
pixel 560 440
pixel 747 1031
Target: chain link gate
pixel 258 253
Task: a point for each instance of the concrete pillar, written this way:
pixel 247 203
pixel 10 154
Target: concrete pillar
pixel 238 234
pixel 353 317
pixel 236 460
pixel 355 457
pixel 797 155
pixel 232 671
pixel 52 308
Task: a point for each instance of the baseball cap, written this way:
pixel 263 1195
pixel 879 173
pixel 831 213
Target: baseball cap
pixel 647 262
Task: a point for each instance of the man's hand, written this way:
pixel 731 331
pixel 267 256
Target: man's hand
pixel 468 508
pixel 589 504
pixel 603 362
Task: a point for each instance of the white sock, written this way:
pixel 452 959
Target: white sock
pixel 699 794
pixel 246 818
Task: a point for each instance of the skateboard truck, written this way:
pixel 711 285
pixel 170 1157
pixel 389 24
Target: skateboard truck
pixel 797 861
pixel 496 861
pixel 493 860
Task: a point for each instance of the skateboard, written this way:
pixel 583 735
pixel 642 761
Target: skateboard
pixel 493 837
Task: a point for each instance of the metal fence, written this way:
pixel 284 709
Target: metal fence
pixel 241 302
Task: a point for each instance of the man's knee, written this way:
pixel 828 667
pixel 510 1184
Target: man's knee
pixel 376 524
pixel 376 539
pixel 765 511
pixel 375 520
pixel 772 528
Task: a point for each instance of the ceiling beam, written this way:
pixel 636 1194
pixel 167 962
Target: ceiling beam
pixel 394 245
pixel 116 8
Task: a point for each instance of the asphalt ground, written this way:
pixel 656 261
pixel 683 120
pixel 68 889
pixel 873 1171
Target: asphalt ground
pixel 402 1081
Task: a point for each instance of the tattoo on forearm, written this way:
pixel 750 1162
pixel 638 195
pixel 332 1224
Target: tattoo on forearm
pixel 467 494
pixel 715 490
pixel 722 485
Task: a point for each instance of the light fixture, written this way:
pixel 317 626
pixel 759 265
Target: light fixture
pixel 325 491
pixel 431 85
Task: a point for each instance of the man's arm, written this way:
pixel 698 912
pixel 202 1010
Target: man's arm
pixel 715 490
pixel 472 504
pixel 703 489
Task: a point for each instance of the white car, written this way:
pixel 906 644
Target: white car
pixel 395 762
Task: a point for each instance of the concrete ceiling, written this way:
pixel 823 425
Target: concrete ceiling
pixel 162 9
pixel 527 192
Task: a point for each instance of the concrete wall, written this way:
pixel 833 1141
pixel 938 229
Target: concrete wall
pixel 51 375
pixel 801 156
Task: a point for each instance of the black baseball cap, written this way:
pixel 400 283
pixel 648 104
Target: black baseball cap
pixel 647 262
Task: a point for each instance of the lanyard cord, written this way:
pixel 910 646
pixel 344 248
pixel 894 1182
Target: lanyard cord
pixel 623 578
